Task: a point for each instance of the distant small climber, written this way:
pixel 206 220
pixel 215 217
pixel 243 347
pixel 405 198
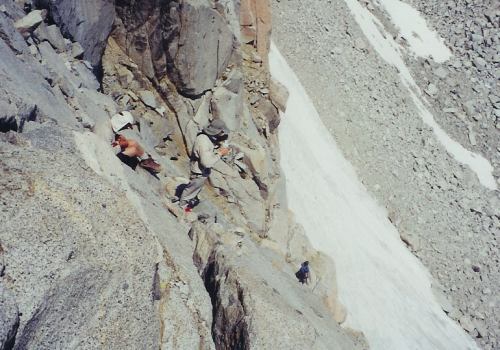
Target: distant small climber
pixel 303 273
pixel 132 154
pixel 207 150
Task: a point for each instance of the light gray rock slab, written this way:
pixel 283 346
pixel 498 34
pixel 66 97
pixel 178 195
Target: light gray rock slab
pixel 29 22
pixel 77 50
pixel 10 35
pixel 148 98
pixel 53 35
pixel 27 85
pixel 86 76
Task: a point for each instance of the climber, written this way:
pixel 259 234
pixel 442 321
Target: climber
pixel 8 123
pixel 303 273
pixel 207 150
pixel 132 154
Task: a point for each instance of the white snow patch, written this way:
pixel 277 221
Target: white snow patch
pixel 391 52
pixel 385 289
pixel 423 41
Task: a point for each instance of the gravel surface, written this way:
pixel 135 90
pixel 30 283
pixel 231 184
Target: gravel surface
pixel 447 218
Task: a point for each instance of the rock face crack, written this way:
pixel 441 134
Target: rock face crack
pixel 11 336
pixel 229 325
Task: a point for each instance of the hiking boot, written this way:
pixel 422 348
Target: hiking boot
pixel 193 202
pixel 150 165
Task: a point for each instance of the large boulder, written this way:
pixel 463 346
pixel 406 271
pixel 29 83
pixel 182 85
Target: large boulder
pixel 29 22
pixel 89 22
pixel 188 40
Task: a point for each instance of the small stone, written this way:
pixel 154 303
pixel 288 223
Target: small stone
pixel 278 94
pixel 431 90
pixel 76 50
pixel 254 99
pixel 256 58
pixel 87 122
pixel 442 299
pixel 33 50
pixel 31 21
pixel 124 100
pixel 336 50
pixel 481 328
pixel 494 99
pixel 469 108
pixel 486 291
pixel 360 44
pixel 161 111
pixel 466 324
pixel 441 72
pixel 479 63
pixel 472 138
pixel 148 98
pixel 125 77
pixel 53 35
pixel 476 268
pixel 87 64
pixel 455 314
pixel 477 38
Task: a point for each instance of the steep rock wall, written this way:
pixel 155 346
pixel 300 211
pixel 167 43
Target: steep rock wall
pixel 93 252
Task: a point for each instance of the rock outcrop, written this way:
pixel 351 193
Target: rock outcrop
pixel 87 22
pixel 188 40
pixel 255 17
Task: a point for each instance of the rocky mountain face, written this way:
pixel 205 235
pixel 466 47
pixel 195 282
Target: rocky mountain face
pixel 93 254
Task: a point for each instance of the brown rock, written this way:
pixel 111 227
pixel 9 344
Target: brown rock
pixel 278 94
pixel 255 18
pixel 270 112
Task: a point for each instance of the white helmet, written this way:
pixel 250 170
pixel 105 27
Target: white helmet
pixel 120 120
